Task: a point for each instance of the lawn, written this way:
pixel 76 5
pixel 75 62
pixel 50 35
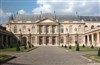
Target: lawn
pixel 4 58
pixel 83 49
pixel 93 57
pixel 14 49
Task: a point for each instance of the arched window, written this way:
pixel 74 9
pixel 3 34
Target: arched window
pixel 61 29
pixel 33 27
pixel 62 40
pixel 79 28
pixel 15 29
pixel 24 29
pixel 86 26
pixel 70 29
pixel 98 26
pixel 92 27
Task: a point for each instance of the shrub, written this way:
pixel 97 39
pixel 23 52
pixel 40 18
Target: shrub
pixel 83 46
pixel 62 45
pixel 70 47
pixel 92 46
pixel 65 46
pixel 99 52
pixel 77 47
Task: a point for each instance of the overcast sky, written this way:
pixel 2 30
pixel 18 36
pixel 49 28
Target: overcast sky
pixel 64 7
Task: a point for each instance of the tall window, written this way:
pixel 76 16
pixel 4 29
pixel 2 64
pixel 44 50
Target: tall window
pixel 24 29
pixel 70 39
pixel 62 40
pixel 15 29
pixel 33 28
pixel 47 29
pixel 33 40
pixel 40 29
pixel 70 29
pixel 53 29
pixel 61 29
pixel 79 28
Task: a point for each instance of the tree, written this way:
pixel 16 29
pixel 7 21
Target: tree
pixel 99 52
pixel 70 47
pixel 77 47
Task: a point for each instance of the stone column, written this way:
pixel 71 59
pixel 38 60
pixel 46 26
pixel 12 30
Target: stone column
pixel 51 29
pixel 92 35
pixel 98 38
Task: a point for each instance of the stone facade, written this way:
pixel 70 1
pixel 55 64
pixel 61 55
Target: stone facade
pixel 53 32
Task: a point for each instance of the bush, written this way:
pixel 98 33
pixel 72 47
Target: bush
pixel 92 46
pixel 65 46
pixel 77 47
pixel 62 46
pixel 83 46
pixel 70 47
pixel 99 52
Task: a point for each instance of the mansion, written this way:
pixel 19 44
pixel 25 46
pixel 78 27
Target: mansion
pixel 53 31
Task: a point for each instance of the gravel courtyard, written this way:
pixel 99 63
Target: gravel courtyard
pixel 49 55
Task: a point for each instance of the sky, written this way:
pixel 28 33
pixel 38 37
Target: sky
pixel 63 7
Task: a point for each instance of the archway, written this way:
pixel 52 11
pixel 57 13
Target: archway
pixel 24 41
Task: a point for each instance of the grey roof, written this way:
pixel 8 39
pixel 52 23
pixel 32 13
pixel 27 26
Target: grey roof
pixel 33 18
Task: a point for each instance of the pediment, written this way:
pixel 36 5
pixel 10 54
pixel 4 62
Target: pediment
pixel 47 21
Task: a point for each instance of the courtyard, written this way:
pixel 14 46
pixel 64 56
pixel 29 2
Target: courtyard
pixel 50 55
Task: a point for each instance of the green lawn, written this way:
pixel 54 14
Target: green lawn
pixel 93 57
pixel 14 49
pixel 83 49
pixel 4 57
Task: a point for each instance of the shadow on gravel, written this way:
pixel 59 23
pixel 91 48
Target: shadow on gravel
pixel 9 63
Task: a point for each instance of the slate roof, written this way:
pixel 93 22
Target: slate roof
pixel 60 18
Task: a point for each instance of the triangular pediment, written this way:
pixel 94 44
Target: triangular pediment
pixel 47 21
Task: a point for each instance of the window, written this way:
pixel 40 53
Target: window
pixel 61 40
pixel 24 29
pixel 70 39
pixel 66 30
pixel 33 28
pixel 79 40
pixel 15 29
pixel 70 29
pixel 47 29
pixel 40 29
pixel 53 29
pixel 92 27
pixel 61 29
pixel 79 28
pixel 33 39
pixel 75 29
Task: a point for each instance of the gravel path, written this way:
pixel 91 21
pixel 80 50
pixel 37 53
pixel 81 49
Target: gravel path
pixel 49 55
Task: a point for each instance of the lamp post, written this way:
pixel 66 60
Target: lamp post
pixel 29 42
pixel 59 34
pixel 20 35
pixel 68 38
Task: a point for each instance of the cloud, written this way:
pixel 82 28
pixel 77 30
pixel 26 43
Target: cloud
pixel 21 11
pixel 83 7
pixel 4 14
